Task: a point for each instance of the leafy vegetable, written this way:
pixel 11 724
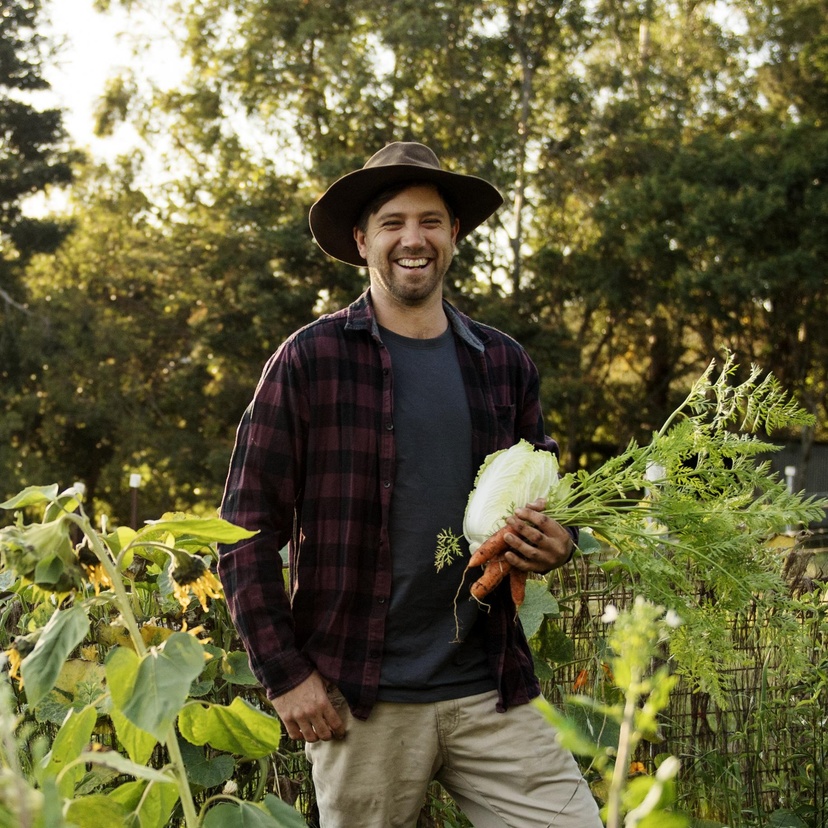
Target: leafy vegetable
pixel 508 478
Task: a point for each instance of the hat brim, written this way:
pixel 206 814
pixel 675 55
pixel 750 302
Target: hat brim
pixel 333 217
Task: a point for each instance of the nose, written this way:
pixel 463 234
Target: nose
pixel 412 235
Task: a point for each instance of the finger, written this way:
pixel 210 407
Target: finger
pixel 526 531
pixel 328 725
pixel 546 525
pixel 521 554
pixel 314 730
pixel 337 726
pixel 537 548
pixel 320 731
pixel 294 730
pixel 523 557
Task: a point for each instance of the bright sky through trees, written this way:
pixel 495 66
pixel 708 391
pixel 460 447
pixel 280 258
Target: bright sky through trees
pixel 92 47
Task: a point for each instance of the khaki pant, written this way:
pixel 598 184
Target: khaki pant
pixel 504 770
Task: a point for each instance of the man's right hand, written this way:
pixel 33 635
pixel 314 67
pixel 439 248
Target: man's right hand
pixel 307 712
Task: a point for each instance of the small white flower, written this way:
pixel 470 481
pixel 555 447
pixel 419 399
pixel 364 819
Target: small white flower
pixel 672 619
pixel 668 769
pixel 610 614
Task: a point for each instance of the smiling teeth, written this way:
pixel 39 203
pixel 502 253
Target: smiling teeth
pixel 412 262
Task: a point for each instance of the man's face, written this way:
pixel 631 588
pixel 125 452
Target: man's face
pixel 409 244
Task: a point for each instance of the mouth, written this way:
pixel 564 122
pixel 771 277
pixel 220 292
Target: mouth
pixel 412 264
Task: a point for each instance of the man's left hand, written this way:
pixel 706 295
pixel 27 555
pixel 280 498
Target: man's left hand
pixel 537 542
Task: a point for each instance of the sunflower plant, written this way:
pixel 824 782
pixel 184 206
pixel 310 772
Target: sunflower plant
pixel 106 653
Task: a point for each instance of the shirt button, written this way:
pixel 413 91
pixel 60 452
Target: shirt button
pixel 389 426
pixel 387 484
pixel 380 600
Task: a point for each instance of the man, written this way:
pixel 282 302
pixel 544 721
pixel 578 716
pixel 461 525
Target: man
pixel 360 446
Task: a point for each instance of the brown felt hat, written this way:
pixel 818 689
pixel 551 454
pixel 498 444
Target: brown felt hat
pixel 335 214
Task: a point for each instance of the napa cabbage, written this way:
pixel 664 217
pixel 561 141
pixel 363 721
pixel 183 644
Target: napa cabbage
pixel 507 479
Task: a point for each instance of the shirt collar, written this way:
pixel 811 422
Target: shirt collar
pixel 360 317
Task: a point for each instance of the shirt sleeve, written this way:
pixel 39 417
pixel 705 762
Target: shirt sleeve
pixel 261 494
pixel 532 426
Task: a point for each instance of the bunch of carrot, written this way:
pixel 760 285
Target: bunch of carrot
pixel 491 555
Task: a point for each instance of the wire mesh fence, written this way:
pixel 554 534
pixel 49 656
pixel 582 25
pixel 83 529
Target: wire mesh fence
pixel 762 747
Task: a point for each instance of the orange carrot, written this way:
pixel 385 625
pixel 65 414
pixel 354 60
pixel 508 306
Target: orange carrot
pixel 496 570
pixel 517 583
pixel 493 545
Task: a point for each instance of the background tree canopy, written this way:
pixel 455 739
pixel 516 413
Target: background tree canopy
pixel 663 165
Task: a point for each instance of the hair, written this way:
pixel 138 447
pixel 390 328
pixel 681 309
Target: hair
pixel 384 196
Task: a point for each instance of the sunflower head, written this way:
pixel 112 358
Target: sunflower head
pixel 191 576
pixel 93 569
pixel 20 647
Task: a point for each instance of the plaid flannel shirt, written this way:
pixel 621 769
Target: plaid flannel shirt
pixel 313 469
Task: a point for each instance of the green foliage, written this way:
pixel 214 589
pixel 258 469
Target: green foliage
pixel 693 514
pixel 64 631
pixel 129 694
pixel 634 643
pixel 711 511
pixel 664 183
pixel 664 171
pixel 270 813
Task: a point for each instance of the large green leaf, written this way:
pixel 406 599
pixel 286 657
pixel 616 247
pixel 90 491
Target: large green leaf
pixel 785 819
pixel 151 802
pixel 68 501
pixel 69 743
pixel 40 669
pixel 115 761
pixel 537 603
pixel 235 669
pixel 203 770
pixel 552 643
pixel 97 810
pixel 121 670
pixel 119 540
pixel 273 813
pixel 152 695
pixel 138 743
pixel 31 496
pixel 208 530
pixel 238 728
pixel 286 815
pixel 79 683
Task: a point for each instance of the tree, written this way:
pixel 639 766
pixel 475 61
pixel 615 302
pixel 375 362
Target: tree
pixel 33 156
pixel 658 208
pixel 33 153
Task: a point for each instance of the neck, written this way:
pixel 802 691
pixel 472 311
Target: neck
pixel 425 321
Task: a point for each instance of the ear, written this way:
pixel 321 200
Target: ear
pixel 359 238
pixel 454 231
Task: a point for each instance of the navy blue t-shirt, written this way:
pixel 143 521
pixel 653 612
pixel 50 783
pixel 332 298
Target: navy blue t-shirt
pixel 424 658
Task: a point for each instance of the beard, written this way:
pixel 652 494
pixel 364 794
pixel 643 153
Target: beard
pixel 410 287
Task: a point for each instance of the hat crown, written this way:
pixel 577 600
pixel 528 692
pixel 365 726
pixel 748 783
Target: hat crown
pixel 408 153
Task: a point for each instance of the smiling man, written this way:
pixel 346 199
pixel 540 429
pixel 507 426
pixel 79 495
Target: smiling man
pixel 408 245
pixel 361 444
